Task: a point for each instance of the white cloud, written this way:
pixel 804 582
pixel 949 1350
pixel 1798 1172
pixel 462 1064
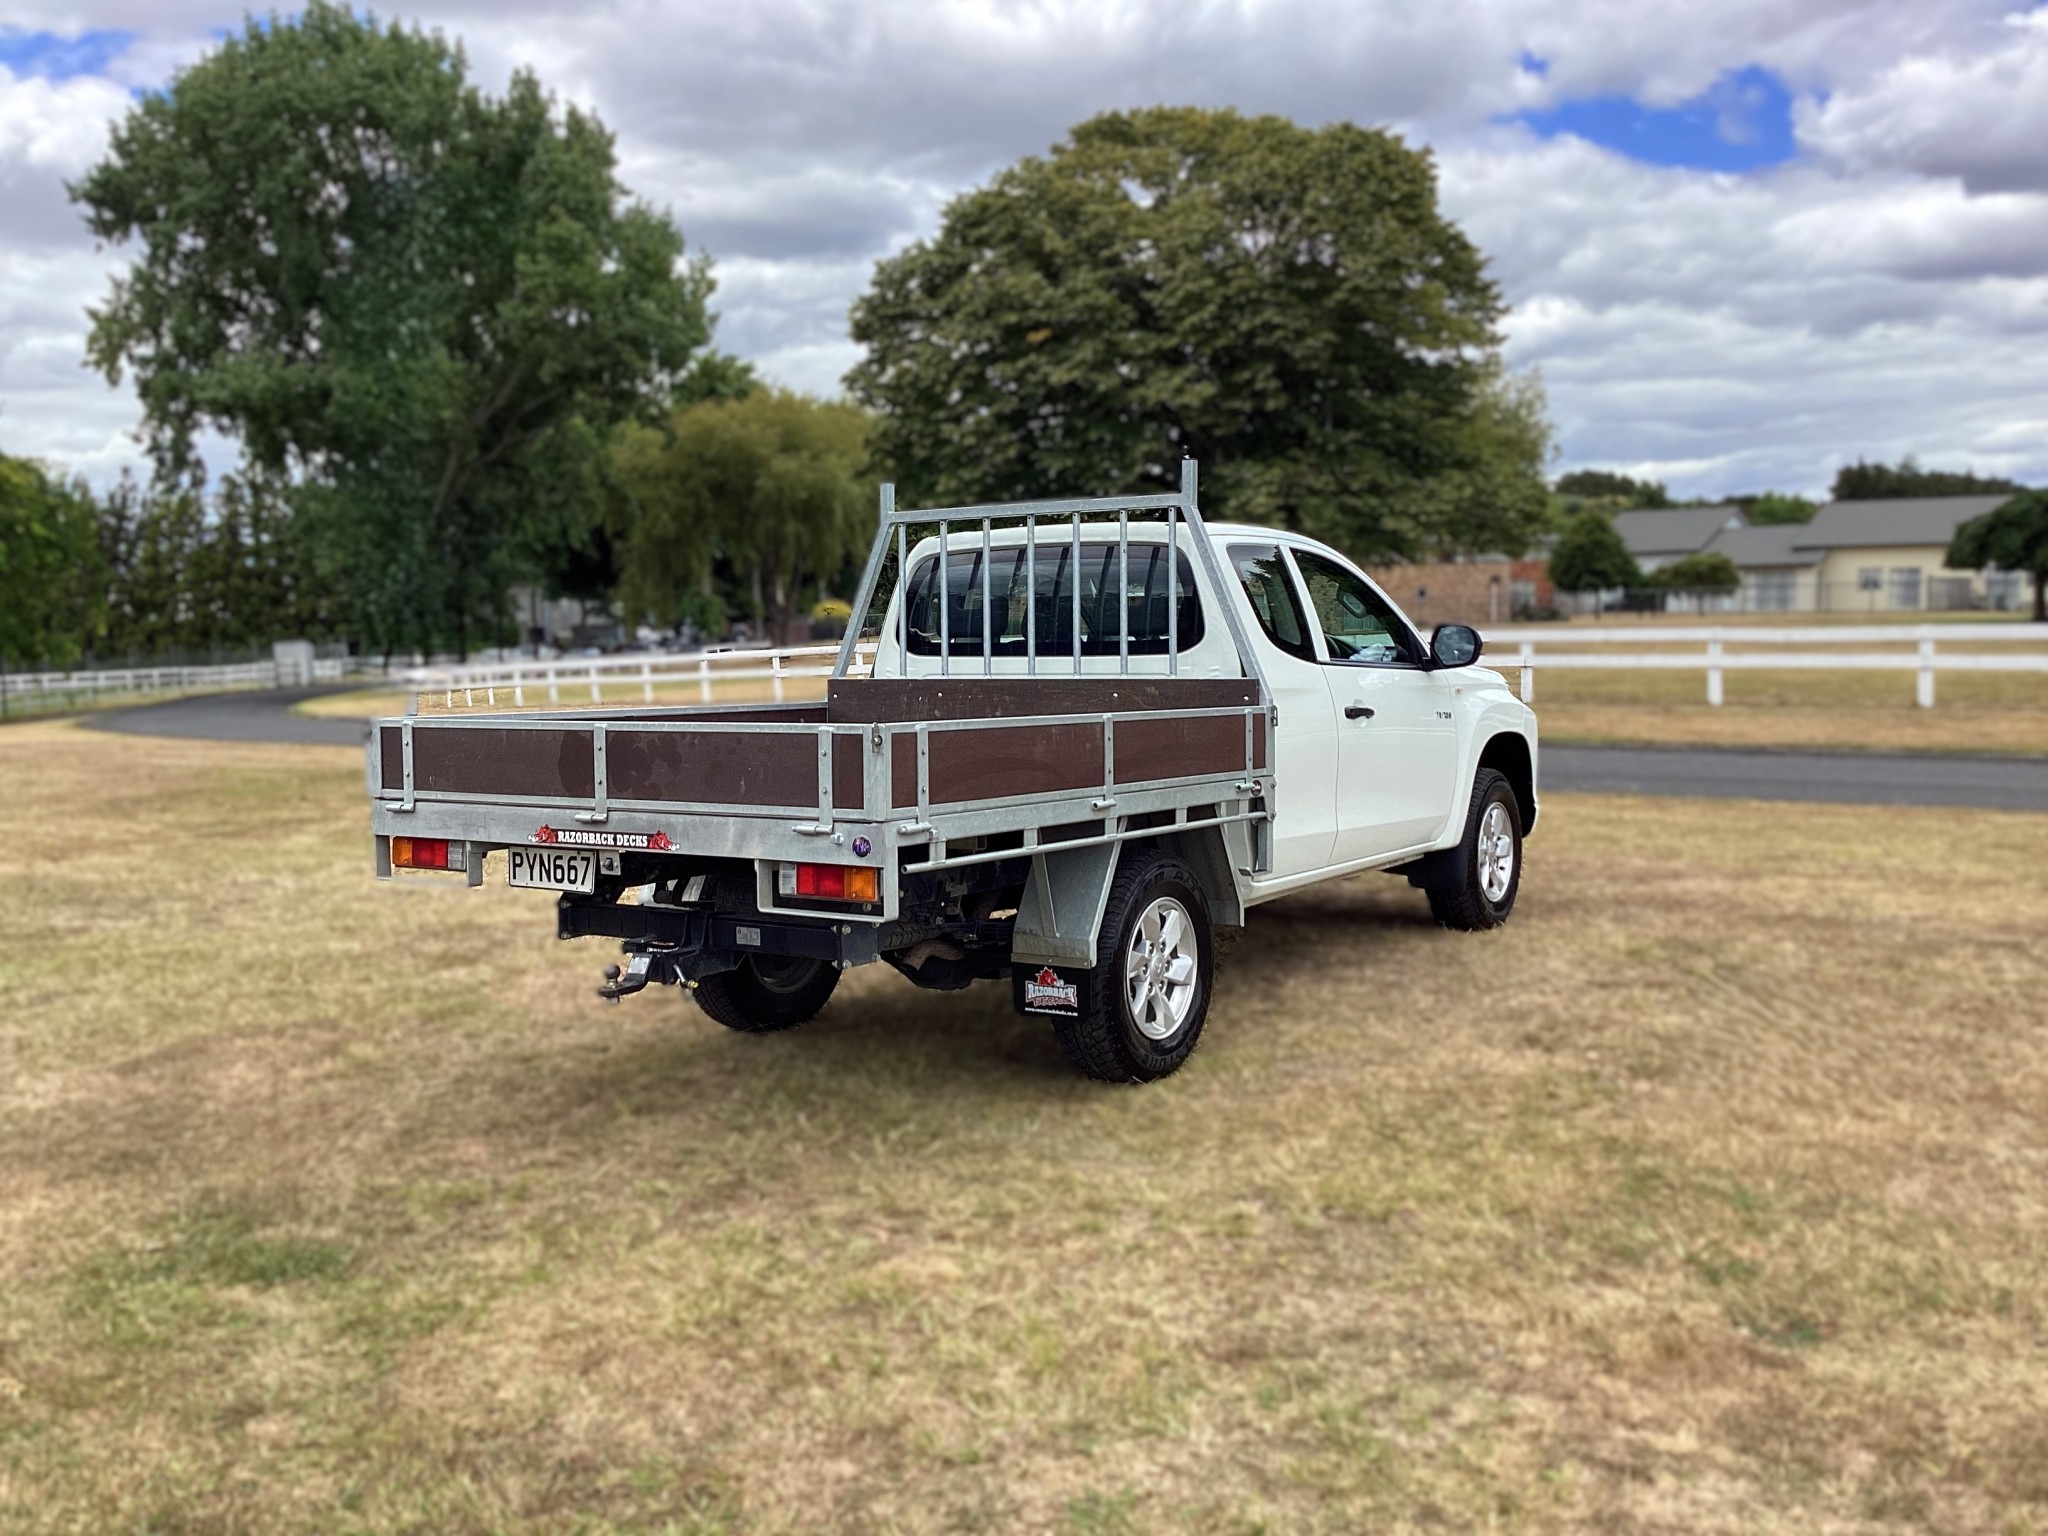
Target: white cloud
pixel 1979 117
pixel 1885 293
pixel 1737 333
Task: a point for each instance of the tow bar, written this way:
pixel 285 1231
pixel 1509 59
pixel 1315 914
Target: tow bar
pixel 647 960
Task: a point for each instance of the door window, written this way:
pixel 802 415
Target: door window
pixel 1271 593
pixel 1358 624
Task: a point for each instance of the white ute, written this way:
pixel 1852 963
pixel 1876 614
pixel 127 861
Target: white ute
pixel 1040 767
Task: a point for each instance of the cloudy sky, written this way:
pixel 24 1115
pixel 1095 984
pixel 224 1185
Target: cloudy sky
pixel 1744 240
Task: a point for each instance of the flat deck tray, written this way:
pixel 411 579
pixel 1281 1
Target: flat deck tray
pixel 483 759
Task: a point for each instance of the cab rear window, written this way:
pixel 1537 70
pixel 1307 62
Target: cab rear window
pixel 1040 593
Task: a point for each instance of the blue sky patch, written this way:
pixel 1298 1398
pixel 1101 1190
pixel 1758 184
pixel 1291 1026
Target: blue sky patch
pixel 1744 122
pixel 60 58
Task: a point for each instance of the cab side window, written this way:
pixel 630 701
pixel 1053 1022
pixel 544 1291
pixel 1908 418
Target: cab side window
pixel 1271 592
pixel 1358 624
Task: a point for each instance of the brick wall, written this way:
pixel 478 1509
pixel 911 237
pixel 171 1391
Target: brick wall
pixel 1478 592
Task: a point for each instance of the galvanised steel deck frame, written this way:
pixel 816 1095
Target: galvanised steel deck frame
pixel 729 783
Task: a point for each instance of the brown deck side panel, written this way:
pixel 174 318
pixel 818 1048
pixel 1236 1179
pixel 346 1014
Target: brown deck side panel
pixel 391 757
pixel 1178 747
pixel 484 760
pixel 1017 760
pixel 903 769
pixel 1259 742
pixel 867 701
pixel 725 768
pixel 849 783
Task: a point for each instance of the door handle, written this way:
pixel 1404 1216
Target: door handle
pixel 1357 712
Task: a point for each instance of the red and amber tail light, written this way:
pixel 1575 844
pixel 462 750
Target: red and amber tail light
pixel 421 853
pixel 838 882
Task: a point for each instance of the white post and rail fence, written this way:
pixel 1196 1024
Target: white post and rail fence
pixel 1923 650
pixel 87 688
pixel 627 678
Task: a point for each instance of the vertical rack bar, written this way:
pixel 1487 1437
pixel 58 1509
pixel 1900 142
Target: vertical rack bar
pixel 1172 594
pixel 988 644
pixel 902 605
pixel 857 621
pixel 1123 593
pixel 945 607
pixel 1074 578
pixel 1031 594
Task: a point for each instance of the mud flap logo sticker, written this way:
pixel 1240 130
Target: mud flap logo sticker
pixel 1048 992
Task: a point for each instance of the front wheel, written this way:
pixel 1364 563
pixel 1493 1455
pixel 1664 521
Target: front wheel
pixel 1148 994
pixel 764 993
pixel 1475 884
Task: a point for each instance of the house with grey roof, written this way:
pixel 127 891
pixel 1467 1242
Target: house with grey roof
pixel 1778 575
pixel 1656 536
pixel 1854 557
pixel 1892 556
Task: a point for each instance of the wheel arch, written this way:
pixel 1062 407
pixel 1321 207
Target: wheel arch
pixel 1509 754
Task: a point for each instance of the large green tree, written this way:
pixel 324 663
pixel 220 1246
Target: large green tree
pixel 1589 555
pixel 770 484
pixel 51 605
pixel 1772 507
pixel 425 306
pixel 1287 305
pixel 1889 482
pixel 190 571
pixel 2013 537
pixel 1609 486
pixel 1704 570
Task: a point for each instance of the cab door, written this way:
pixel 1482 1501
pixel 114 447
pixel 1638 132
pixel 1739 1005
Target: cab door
pixel 1305 753
pixel 1397 731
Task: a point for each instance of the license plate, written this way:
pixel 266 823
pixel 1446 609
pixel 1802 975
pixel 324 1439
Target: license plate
pixel 551 869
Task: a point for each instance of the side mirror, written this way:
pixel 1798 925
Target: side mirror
pixel 1455 645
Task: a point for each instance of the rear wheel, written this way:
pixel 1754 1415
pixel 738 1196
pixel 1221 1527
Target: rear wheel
pixel 764 993
pixel 1476 882
pixel 1148 995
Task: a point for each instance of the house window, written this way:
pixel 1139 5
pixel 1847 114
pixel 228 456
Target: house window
pixel 2003 590
pixel 1870 579
pixel 1905 587
pixel 1772 591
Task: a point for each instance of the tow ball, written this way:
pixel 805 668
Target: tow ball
pixel 645 962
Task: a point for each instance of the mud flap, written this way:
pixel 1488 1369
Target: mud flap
pixel 1062 906
pixel 1057 991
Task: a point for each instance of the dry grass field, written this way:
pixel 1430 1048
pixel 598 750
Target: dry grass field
pixel 1711 1195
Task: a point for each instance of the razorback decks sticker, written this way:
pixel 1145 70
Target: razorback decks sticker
pixel 584 837
pixel 1047 991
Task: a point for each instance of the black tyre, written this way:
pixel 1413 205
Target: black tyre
pixel 1155 964
pixel 765 993
pixel 1472 886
